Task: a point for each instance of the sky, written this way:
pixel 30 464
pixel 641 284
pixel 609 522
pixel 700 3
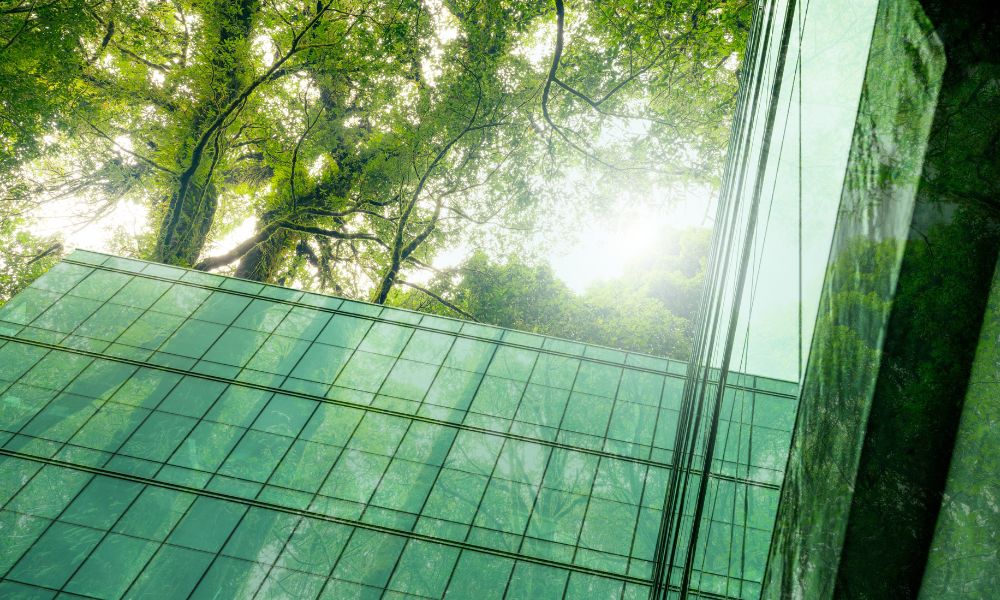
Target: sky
pixel 601 251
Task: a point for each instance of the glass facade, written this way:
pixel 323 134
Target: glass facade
pixel 855 249
pixel 861 194
pixel 171 433
pixel 789 158
pixel 895 111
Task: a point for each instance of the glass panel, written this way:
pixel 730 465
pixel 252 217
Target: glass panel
pixel 223 457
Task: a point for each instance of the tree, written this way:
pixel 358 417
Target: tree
pixel 362 135
pixel 397 176
pixel 650 309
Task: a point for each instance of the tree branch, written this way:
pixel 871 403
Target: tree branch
pixel 444 302
pixel 177 201
pixel 214 262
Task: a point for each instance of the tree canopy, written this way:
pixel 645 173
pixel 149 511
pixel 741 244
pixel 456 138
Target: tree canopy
pixel 650 308
pixel 358 138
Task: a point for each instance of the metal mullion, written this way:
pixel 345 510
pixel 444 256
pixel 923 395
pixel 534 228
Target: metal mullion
pixel 277 557
pixel 330 385
pixel 340 456
pixel 382 476
pixel 437 475
pixel 417 326
pixel 354 528
pixel 348 439
pixel 489 479
pixel 746 495
pixel 380 410
pixel 510 577
pixel 638 511
pixel 656 427
pixel 395 361
pixel 493 354
pixel 656 420
pixel 454 567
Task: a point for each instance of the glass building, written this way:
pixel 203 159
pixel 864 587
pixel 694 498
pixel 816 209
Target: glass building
pixel 171 433
pixel 856 252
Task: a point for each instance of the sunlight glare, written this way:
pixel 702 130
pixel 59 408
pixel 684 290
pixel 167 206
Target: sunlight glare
pixel 603 248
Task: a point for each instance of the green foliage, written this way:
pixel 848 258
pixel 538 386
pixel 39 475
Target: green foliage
pixel 41 59
pixel 23 256
pixel 649 309
pixel 363 135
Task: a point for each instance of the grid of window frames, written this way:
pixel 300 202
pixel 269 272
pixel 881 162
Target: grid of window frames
pixel 171 433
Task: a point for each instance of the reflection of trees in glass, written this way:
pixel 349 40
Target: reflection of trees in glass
pixel 847 367
pixel 833 409
pixel 934 315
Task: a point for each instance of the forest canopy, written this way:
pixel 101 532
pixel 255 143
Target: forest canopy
pixel 343 145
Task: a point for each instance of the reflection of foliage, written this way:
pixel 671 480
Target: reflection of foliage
pixel 833 407
pixel 930 340
pixel 969 522
pixel 878 415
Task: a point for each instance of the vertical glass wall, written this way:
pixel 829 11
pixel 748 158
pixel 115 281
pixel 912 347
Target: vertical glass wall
pixel 895 111
pixel 969 522
pixel 789 157
pixel 171 433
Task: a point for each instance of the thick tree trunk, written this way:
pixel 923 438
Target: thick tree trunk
pixel 193 202
pixel 264 260
pixel 188 239
pixel 385 285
